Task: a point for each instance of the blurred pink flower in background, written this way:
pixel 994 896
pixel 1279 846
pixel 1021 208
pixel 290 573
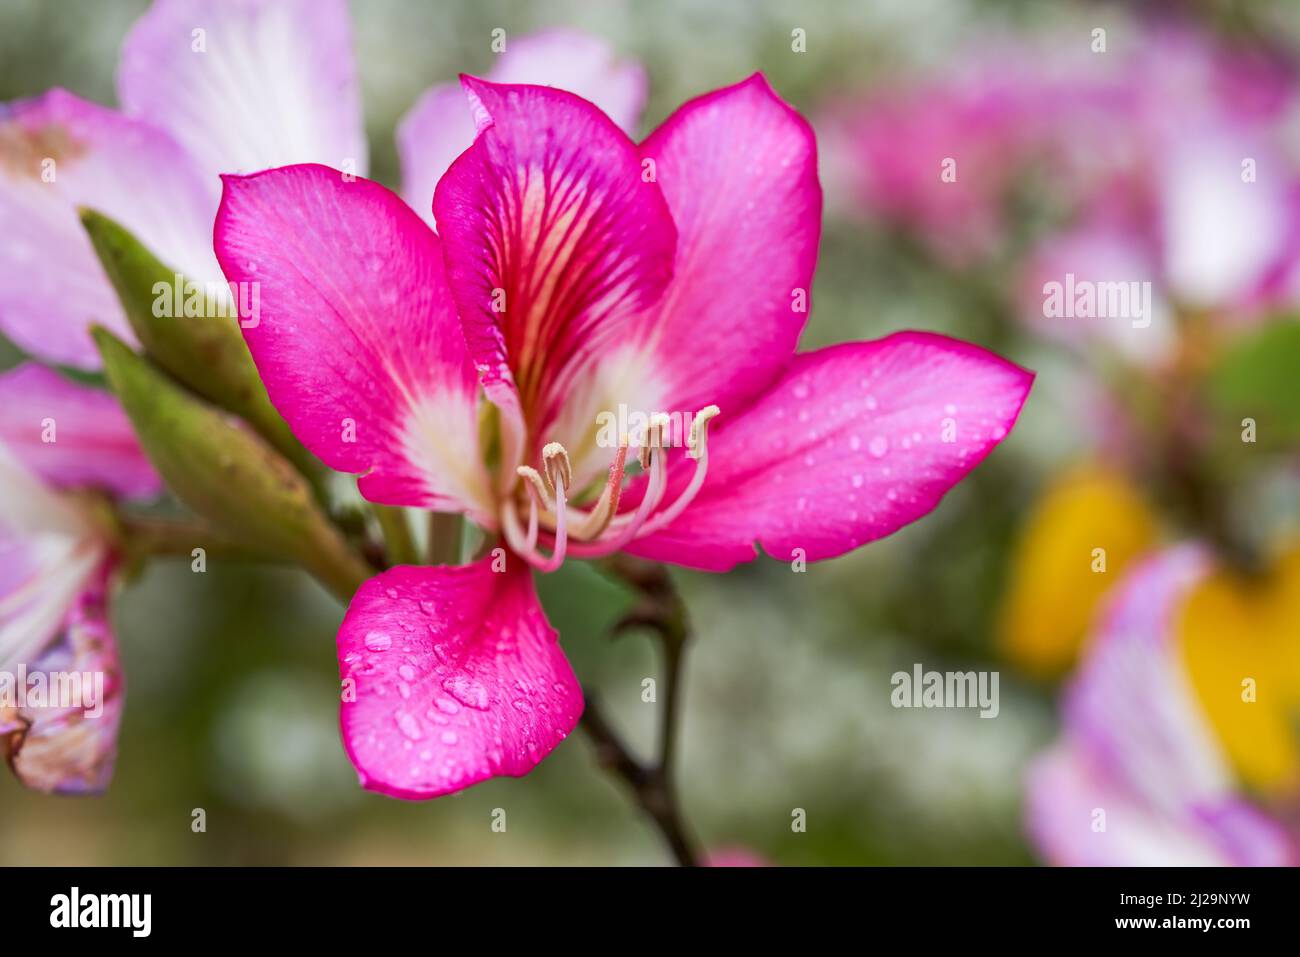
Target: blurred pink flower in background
pixel 735 857
pixel 1167 159
pixel 1140 776
pixel 60 445
pixel 207 89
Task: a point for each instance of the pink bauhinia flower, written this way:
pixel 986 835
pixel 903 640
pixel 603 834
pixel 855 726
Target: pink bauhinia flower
pixel 573 272
pixel 62 446
pixel 210 88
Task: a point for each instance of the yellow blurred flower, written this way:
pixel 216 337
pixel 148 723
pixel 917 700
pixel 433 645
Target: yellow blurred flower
pixel 1082 534
pixel 1240 636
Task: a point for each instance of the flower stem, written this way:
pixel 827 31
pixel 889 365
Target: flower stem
pixel 399 544
pixel 150 535
pixel 661 610
pixel 445 532
pixel 329 560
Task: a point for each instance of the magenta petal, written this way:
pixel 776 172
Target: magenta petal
pixel 58 152
pixel 738 168
pixel 554 242
pixel 70 435
pixel 451 676
pixel 358 341
pixel 439 127
pixel 248 85
pixel 852 443
pixel 69 746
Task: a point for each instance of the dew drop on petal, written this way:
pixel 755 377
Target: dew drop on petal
pixel 408 725
pixel 467 691
pixel 878 446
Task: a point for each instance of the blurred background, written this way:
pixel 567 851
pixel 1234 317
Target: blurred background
pixel 1065 154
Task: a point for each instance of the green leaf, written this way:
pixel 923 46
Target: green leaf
pixel 227 473
pixel 207 353
pixel 1258 378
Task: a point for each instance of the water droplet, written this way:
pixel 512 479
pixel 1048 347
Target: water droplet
pixel 408 725
pixel 855 442
pixel 857 481
pixel 522 704
pixel 467 691
pixel 378 641
pixel 406 673
pixel 449 737
pixel 878 446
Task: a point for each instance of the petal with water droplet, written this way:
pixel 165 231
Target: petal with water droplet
pixel 459 676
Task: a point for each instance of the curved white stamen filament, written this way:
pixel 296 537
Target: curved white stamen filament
pixel 524 544
pixel 561 535
pixel 534 479
pixel 697 449
pixel 663 518
pixel 531 540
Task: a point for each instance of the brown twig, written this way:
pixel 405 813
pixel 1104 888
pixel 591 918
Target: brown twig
pixel 661 610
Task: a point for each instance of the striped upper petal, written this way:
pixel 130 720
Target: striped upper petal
pixel 554 243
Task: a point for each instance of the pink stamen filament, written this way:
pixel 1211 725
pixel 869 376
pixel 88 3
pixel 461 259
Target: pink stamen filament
pixel 592 524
